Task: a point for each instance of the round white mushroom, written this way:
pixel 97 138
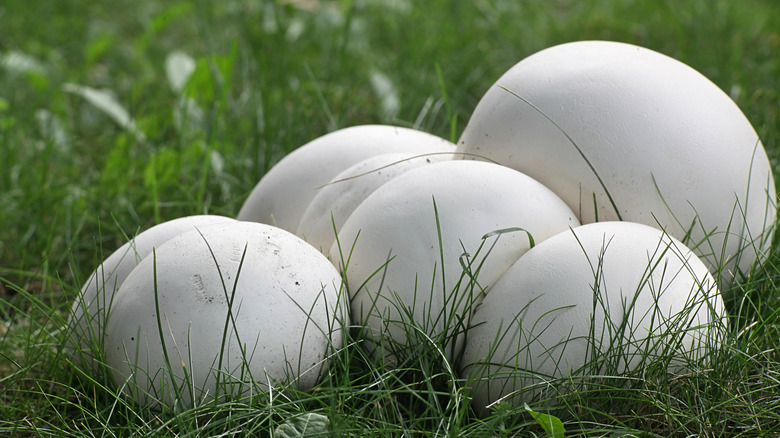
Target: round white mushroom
pixel 225 311
pixel 336 201
pixel 282 195
pixel 405 247
pixel 623 132
pixel 603 299
pixel 87 318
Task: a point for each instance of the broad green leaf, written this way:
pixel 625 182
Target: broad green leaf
pixel 551 424
pixel 304 426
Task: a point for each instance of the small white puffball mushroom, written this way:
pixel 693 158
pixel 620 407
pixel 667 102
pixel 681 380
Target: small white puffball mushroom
pixel 623 132
pixel 230 309
pixel 336 201
pixel 405 247
pixel 602 299
pixel 88 314
pixel 283 193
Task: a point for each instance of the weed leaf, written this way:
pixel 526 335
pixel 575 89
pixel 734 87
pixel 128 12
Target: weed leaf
pixel 107 104
pixel 303 426
pixel 19 62
pixel 179 66
pixel 551 424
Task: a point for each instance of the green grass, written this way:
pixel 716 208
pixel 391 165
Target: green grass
pixel 270 76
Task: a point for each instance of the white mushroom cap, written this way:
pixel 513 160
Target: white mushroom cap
pixel 398 222
pixel 336 201
pixel 88 314
pixel 672 150
pixel 282 195
pixel 601 299
pixel 285 316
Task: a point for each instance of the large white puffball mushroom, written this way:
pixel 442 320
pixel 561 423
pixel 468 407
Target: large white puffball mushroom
pixel 87 319
pixel 623 132
pixel 228 309
pixel 336 201
pixel 405 247
pixel 282 195
pixel 602 299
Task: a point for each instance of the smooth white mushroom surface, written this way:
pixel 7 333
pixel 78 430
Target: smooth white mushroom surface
pixel 336 201
pixel 282 195
pixel 405 247
pixel 87 319
pixel 226 310
pixel 623 132
pixel 602 299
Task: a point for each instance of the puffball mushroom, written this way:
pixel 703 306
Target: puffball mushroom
pixel 602 299
pixel 87 318
pixel 623 132
pixel 405 247
pixel 282 195
pixel 226 309
pixel 336 201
